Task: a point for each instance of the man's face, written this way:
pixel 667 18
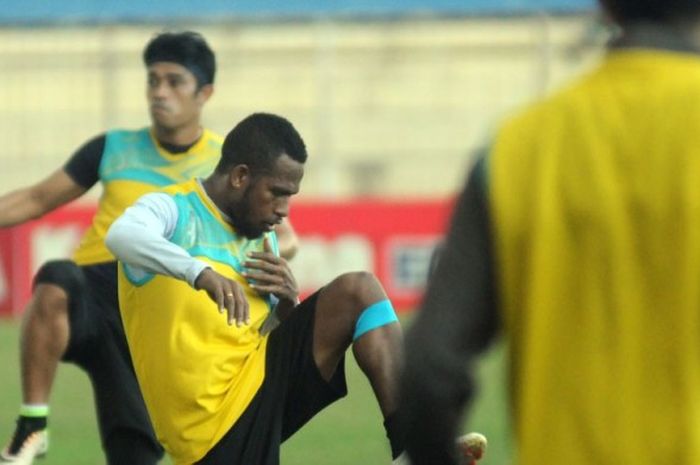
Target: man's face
pixel 265 200
pixel 173 98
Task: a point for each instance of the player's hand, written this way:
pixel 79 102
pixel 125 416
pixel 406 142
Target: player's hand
pixel 227 294
pixel 270 274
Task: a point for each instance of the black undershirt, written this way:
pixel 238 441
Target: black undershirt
pixel 83 167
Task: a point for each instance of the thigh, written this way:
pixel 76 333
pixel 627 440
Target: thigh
pixel 93 314
pixel 71 278
pixel 291 394
pixel 292 365
pixel 255 437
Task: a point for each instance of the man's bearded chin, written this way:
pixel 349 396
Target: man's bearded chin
pixel 240 219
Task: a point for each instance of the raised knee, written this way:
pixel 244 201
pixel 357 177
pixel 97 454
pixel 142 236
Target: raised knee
pixel 361 287
pixel 49 301
pixel 55 284
pixel 356 282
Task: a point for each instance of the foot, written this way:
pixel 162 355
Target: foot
pixel 26 445
pixel 470 448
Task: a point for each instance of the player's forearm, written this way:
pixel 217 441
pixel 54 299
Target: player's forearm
pixel 288 249
pixel 19 206
pixel 32 202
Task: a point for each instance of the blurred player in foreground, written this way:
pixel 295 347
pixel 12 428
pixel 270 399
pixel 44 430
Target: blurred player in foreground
pixel 223 389
pixel 579 234
pixel 73 315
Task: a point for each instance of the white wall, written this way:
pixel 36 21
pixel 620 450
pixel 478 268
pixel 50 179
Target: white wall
pixel 391 108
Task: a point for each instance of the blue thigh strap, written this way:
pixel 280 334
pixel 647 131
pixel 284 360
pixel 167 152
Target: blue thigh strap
pixel 376 315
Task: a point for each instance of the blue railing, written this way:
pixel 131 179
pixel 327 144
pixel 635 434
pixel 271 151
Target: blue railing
pixel 29 11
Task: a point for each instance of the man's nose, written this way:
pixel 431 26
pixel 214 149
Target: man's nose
pixel 159 90
pixel 282 208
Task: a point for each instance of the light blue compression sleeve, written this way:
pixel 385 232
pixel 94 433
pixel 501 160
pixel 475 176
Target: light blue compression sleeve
pixel 376 315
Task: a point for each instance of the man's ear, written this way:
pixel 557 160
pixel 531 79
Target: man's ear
pixel 239 176
pixel 204 93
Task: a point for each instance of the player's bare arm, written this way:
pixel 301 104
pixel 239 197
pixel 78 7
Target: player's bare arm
pixel 227 294
pixel 32 202
pixel 270 274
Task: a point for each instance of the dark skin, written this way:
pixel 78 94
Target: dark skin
pixel 256 204
pixel 271 274
pixel 259 203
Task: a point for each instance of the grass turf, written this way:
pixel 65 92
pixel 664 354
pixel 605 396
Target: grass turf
pixel 347 433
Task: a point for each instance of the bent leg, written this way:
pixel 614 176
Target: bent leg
pixel 46 328
pixel 378 352
pixel 377 345
pixel 44 340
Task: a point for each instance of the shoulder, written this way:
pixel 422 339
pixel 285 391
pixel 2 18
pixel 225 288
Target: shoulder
pixel 181 188
pixel 213 137
pixel 128 135
pixel 158 204
pixel 156 198
pixel 116 132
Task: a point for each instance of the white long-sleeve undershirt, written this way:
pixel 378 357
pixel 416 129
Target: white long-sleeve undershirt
pixel 140 238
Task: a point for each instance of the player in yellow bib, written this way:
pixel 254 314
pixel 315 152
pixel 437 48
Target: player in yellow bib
pixel 73 315
pixel 578 234
pixel 228 389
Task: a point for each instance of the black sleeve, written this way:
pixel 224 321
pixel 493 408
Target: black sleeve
pixel 457 320
pixel 83 166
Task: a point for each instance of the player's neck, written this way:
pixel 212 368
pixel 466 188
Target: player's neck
pixel 215 187
pixel 182 136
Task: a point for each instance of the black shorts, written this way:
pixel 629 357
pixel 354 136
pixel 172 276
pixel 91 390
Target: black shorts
pixel 98 345
pixel 291 394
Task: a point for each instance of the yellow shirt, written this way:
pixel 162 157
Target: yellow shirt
pixel 595 200
pixel 197 374
pixel 134 164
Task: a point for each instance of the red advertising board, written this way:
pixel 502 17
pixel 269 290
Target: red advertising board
pixel 393 239
pixel 24 248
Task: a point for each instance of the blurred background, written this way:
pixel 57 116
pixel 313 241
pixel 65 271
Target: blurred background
pixel 393 98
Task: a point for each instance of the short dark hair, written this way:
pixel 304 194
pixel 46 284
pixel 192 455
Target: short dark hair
pixel 186 48
pixel 258 141
pixel 626 11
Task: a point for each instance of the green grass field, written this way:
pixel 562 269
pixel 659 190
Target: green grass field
pixel 347 433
